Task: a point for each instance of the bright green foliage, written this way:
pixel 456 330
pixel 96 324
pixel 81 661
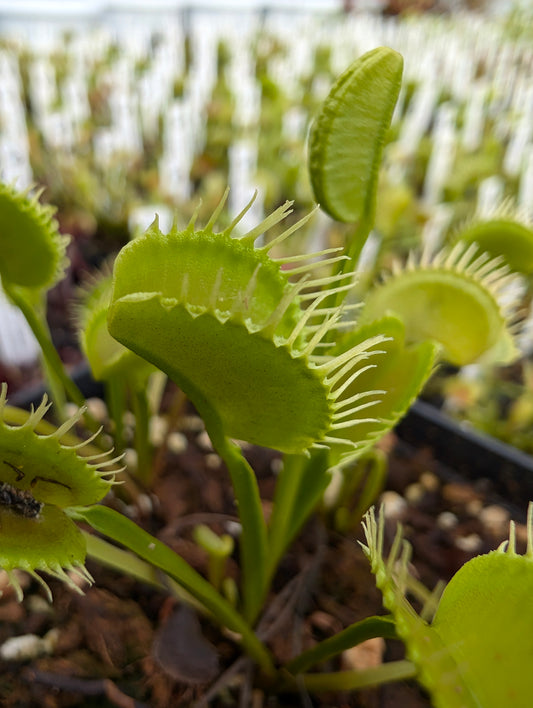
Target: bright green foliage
pixel 107 358
pixel 347 137
pixel 39 477
pixel 50 542
pixel 33 251
pixel 397 377
pixel 224 320
pixel 453 299
pixel 503 234
pixel 486 619
pixel 477 651
pixel 257 344
pixel 54 473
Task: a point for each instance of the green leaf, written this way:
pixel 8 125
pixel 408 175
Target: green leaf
pixel 356 633
pixel 455 299
pixel 226 323
pixel 396 377
pixel 503 236
pixel 347 137
pixel 41 465
pixel 32 251
pixel 437 670
pixel 299 488
pixel 47 542
pixel 120 529
pixel 485 619
pixel 107 358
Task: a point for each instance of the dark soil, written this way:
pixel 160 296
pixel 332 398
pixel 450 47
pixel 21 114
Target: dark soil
pixel 126 644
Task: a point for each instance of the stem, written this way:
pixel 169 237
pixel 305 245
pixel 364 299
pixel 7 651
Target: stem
pixel 300 486
pixel 129 564
pixel 121 529
pixel 40 329
pixel 354 246
pixel 253 539
pixel 373 467
pixel 352 680
pixel 56 390
pixel 115 394
pixel 123 561
pixel 142 441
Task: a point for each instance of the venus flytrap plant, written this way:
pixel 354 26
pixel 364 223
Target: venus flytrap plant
pixel 268 351
pixel 46 485
pixel 225 322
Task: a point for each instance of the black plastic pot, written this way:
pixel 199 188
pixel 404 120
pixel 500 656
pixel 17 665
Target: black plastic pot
pixel 471 454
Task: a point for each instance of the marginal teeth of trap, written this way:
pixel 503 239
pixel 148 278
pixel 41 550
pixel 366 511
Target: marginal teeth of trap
pixel 324 311
pixel 332 440
pixel 339 405
pixel 338 416
pixel 241 214
pixel 88 441
pixel 332 291
pixel 466 257
pixel 36 415
pixel 318 264
pixel 69 424
pixel 477 263
pixel 98 456
pixel 326 327
pixel 218 210
pixel 330 280
pixel 360 350
pixel 274 218
pixel 307 256
pixel 108 463
pixel 349 381
pixel 288 298
pixel 304 319
pixel 351 423
pixel 278 215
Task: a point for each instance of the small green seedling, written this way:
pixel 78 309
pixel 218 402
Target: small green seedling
pixel 219 549
pixel 267 348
